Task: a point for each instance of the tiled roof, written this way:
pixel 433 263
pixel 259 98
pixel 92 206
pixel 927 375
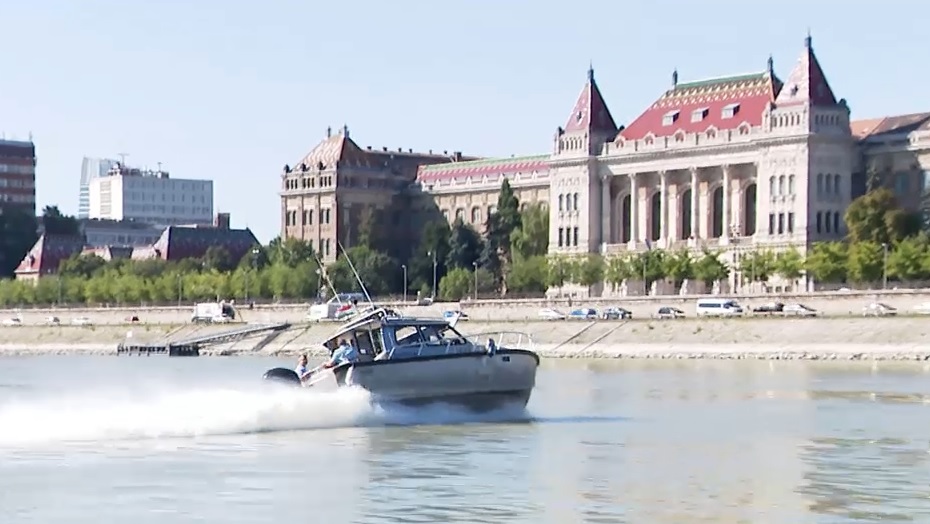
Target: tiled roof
pixel 749 94
pixel 590 112
pixel 890 125
pixel 48 252
pixel 329 152
pixel 178 243
pixel 807 83
pixel 479 168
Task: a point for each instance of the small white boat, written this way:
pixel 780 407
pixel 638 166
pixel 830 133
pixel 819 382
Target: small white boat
pixel 416 361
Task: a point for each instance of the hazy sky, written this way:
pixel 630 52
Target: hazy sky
pixel 233 90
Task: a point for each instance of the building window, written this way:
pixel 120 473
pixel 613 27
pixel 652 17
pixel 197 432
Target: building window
pixel 699 114
pixel 561 237
pixel 670 118
pixel 900 184
pixel 819 185
pixel 772 185
pixel 575 236
pixel 836 222
pixel 790 223
pixel 781 223
pixel 561 202
pixel 781 185
pixel 460 214
pixel 819 222
pixel 475 215
pixel 771 223
pixel 836 185
pixel 729 110
pixel 575 202
pixel 827 223
pixel 790 184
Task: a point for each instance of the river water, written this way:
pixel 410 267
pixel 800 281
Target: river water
pixel 157 440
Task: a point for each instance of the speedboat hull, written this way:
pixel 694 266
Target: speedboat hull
pixel 479 381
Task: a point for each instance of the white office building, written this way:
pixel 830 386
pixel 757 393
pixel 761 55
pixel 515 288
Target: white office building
pixel 91 168
pixel 151 197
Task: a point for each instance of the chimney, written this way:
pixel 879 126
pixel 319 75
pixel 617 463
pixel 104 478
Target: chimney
pixel 400 150
pixel 384 149
pixel 410 150
pixel 457 155
pixel 445 152
pixel 431 151
pixel 222 221
pixel 329 132
pixel 368 148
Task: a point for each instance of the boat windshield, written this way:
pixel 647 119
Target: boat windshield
pixel 422 339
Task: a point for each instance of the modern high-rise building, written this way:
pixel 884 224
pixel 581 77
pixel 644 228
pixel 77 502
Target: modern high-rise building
pixel 125 193
pixel 17 175
pixel 91 168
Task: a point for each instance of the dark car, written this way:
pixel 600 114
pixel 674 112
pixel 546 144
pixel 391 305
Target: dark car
pixel 771 307
pixel 616 313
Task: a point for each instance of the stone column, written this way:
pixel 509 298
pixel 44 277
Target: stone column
pixel 606 209
pixel 634 211
pixel 694 202
pixel 663 208
pixel 726 203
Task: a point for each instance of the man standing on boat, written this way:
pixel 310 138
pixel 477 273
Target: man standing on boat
pixel 346 352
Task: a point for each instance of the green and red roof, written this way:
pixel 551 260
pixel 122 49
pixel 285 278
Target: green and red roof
pixel 480 168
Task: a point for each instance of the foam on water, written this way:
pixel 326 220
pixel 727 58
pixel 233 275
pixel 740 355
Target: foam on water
pixel 121 414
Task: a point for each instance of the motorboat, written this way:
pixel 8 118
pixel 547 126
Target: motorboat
pixel 415 361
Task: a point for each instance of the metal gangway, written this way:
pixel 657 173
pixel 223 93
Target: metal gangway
pixel 190 347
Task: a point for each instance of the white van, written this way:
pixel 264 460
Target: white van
pixel 718 307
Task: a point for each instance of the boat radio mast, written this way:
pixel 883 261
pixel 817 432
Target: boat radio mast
pixel 354 272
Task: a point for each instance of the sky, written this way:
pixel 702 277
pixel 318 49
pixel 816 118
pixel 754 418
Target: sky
pixel 233 90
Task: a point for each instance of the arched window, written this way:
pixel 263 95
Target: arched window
pixel 790 184
pixel 476 215
pixel 836 222
pixel 819 184
pixel 771 185
pixel 561 202
pixel 781 185
pixel 575 202
pixel 836 184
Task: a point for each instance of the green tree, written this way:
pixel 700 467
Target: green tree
pixel 500 226
pixel 290 252
pixel 789 264
pixel 560 271
pixel 709 268
pixel 650 266
pixel 678 267
pixel 827 262
pixel 529 275
pixel 17 236
pixel 78 265
pixel 55 223
pixel 619 268
pixel 465 246
pixel 757 266
pixel 866 262
pixel 217 258
pixel 876 217
pixel 378 271
pixel 532 237
pixel 589 270
pixel 909 260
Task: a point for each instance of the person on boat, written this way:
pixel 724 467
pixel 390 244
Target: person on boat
pixel 302 371
pixel 346 352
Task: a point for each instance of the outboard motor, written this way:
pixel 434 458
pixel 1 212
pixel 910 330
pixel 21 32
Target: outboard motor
pixel 283 376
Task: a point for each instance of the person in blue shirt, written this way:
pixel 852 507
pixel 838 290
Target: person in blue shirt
pixel 346 352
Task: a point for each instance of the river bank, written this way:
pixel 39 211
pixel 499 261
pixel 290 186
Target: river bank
pixel 826 338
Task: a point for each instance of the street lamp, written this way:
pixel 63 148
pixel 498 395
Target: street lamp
pixel 179 290
pixel 475 265
pixel 404 267
pixel 254 265
pixel 433 254
pixel 884 265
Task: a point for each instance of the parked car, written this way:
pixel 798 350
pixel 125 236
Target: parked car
pixel 669 312
pixel 718 307
pixel 922 308
pixel 585 313
pixel 551 314
pixel 451 314
pixel 80 321
pixel 12 322
pixel 52 321
pixel 770 307
pixel 799 310
pixel 616 313
pixel 878 309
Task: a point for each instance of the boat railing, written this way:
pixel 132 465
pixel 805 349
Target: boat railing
pixel 505 339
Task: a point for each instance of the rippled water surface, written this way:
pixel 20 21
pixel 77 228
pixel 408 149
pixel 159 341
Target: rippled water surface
pixel 153 440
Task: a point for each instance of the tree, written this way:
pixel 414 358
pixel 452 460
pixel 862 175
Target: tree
pixel 55 223
pixel 371 229
pixel 679 266
pixel 709 268
pixel 529 274
pixel 434 244
pixel 866 262
pixel 465 246
pixel 78 265
pixel 290 252
pixel 589 270
pixel 909 260
pixel 500 226
pixel 560 271
pixel 532 237
pixel 757 266
pixel 789 264
pixel 827 262
pixel 17 236
pixel 618 269
pixel 217 258
pixel 379 272
pixel 649 266
pixel 877 217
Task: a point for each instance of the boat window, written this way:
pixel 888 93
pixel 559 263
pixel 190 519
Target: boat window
pixel 443 334
pixel 407 335
pixel 363 342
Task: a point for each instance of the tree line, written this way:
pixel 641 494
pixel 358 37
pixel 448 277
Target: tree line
pixel 508 257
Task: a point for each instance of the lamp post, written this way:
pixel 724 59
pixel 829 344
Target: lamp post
pixel 475 265
pixel 254 267
pixel 433 254
pixel 884 265
pixel 404 267
pixel 179 290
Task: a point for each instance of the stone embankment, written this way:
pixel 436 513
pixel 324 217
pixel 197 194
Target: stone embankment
pixel 776 338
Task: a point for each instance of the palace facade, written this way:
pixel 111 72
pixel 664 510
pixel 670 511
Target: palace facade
pixel 735 163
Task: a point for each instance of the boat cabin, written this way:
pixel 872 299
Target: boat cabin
pixel 384 335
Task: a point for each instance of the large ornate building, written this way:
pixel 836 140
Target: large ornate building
pixel 732 163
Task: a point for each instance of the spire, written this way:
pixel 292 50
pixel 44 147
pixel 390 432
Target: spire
pixel 590 71
pixel 675 78
pixel 590 112
pixel 770 66
pixel 808 41
pixel 807 82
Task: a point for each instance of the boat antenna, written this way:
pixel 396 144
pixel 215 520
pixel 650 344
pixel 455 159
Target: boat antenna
pixel 354 272
pixel 325 275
